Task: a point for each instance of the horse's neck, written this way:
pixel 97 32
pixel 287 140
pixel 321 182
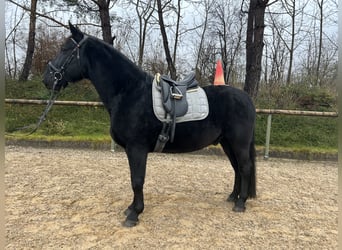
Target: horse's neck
pixel 113 74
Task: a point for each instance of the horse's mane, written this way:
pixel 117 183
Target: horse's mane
pixel 116 52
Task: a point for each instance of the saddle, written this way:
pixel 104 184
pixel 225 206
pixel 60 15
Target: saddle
pixel 175 104
pixel 174 94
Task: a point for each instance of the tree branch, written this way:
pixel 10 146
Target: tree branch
pixel 39 14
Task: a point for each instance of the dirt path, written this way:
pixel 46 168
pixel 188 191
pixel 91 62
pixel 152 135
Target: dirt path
pixel 74 199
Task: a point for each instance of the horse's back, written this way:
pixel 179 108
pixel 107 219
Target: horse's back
pixel 226 97
pixel 231 116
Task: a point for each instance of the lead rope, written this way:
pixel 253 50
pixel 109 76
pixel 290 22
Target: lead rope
pixel 58 75
pixel 51 101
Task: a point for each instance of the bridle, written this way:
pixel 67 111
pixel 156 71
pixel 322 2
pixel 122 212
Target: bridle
pixel 58 73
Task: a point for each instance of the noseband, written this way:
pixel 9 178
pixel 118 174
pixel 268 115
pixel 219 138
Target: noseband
pixel 58 73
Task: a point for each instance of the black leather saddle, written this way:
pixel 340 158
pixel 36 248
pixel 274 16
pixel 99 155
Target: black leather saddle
pixel 174 94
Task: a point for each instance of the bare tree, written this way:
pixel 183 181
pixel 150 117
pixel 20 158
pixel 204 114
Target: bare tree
pixel 104 6
pixel 229 29
pixel 219 32
pixel 319 55
pixel 293 11
pixel 290 7
pixel 320 42
pixel 154 62
pixel 254 45
pixel 144 10
pixel 207 4
pixel 170 62
pixel 100 9
pixel 30 44
pixel 178 13
pixel 205 49
pixel 48 44
pixel 278 57
pixel 206 63
pixel 11 41
pixel 38 14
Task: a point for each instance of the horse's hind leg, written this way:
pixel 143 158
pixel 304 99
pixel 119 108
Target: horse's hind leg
pixel 243 162
pixel 137 158
pixel 237 179
pixel 245 166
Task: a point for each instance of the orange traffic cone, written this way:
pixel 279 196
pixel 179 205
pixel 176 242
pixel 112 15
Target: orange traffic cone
pixel 219 79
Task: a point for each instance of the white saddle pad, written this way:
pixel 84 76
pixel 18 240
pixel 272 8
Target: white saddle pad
pixel 198 108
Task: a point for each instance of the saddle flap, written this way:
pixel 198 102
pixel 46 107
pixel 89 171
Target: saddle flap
pixel 174 99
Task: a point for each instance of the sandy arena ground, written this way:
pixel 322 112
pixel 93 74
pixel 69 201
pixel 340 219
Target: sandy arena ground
pixel 74 199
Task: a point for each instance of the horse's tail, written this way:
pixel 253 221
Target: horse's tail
pixel 252 182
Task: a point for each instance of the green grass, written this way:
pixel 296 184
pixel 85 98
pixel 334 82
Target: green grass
pixel 61 121
pixel 299 132
pixel 64 123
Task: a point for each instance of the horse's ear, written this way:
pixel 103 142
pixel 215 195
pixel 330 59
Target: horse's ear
pixel 75 32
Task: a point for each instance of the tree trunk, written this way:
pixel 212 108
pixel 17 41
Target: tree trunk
pixel 293 34
pixel 254 45
pixel 205 23
pixel 320 44
pixel 177 31
pixel 105 21
pixel 169 60
pixel 144 12
pixel 31 43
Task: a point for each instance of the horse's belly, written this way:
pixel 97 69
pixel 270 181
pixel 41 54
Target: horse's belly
pixel 189 137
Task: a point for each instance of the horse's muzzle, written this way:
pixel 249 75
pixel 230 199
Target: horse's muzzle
pixel 54 80
pixel 48 79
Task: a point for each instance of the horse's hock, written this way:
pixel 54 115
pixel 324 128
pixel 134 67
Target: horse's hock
pixel 75 198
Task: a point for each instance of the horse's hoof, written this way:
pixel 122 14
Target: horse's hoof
pixel 239 209
pixel 130 223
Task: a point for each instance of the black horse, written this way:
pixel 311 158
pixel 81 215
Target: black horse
pixel 125 90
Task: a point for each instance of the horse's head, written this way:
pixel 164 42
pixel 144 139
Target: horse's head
pixel 66 66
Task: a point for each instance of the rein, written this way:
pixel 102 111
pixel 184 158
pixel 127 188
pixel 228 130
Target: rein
pixel 58 75
pixel 51 101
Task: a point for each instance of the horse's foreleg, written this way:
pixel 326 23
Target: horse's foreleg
pixel 137 162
